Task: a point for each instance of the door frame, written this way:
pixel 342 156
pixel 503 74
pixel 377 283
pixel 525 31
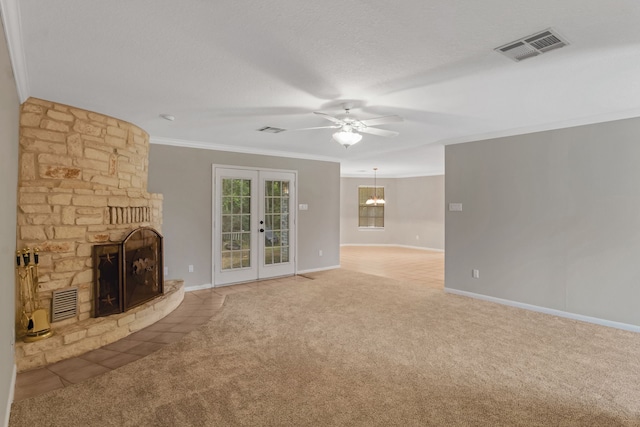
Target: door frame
pixel 294 210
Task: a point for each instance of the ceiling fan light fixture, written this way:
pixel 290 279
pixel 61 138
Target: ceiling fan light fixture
pixel 347 138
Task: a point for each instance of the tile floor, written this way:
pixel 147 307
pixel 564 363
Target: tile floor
pixel 426 267
pixel 413 265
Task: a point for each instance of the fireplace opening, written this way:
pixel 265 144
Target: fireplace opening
pixel 128 273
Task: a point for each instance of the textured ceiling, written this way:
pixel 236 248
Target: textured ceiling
pixel 226 68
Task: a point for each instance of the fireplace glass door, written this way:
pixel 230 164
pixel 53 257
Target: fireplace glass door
pixel 128 273
pixel 142 269
pixel 107 270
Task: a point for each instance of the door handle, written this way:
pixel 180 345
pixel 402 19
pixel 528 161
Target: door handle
pixel 262 230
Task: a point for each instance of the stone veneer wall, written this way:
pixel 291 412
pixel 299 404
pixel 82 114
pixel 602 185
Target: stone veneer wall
pixel 83 181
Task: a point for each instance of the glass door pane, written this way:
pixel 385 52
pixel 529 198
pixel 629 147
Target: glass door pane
pixel 236 223
pixel 235 247
pixel 276 209
pixel 277 239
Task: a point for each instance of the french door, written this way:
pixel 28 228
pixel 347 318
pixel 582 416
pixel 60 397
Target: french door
pixel 254 224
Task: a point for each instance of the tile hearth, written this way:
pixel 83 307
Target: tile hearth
pixel 196 309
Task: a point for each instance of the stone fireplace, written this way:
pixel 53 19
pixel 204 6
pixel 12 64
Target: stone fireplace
pixel 82 182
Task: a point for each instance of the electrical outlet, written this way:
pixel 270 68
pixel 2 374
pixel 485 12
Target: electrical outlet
pixel 166 271
pixel 190 268
pixel 320 252
pixel 475 273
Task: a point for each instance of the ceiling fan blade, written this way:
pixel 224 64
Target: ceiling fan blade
pixel 318 127
pixel 379 132
pixel 382 120
pixel 330 118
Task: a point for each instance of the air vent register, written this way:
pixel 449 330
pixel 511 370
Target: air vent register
pixel 533 45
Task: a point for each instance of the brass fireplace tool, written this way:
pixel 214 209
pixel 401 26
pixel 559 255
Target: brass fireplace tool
pixel 34 319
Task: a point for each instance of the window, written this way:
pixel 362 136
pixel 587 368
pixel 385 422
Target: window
pixel 370 215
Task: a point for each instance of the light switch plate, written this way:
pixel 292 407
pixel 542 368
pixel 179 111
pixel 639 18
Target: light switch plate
pixel 455 207
pixel 303 207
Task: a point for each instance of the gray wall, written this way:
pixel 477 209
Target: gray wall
pixel 414 207
pixel 9 119
pixel 550 219
pixel 184 177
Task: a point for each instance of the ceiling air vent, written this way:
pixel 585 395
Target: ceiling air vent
pixel 533 45
pixel 270 129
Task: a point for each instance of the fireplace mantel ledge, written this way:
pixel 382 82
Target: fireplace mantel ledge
pixel 93 333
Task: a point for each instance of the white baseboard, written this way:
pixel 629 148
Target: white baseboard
pixel 198 287
pixel 392 245
pixel 420 247
pixel 314 270
pixel 12 388
pixel 554 312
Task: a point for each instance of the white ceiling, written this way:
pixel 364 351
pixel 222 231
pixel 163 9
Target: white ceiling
pixel 225 68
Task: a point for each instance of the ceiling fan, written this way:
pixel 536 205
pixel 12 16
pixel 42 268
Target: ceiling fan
pixel 351 127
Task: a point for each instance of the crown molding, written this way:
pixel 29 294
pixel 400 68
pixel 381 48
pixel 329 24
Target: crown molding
pixel 564 124
pixel 393 176
pixel 235 149
pixel 250 150
pixel 10 10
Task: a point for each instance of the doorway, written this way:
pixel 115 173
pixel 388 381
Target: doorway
pixel 253 224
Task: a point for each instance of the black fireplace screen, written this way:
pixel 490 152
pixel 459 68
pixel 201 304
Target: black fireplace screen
pixel 129 273
pixel 107 277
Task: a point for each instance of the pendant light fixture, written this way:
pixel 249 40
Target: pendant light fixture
pixel 374 200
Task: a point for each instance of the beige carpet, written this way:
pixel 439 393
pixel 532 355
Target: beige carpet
pixel 347 349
